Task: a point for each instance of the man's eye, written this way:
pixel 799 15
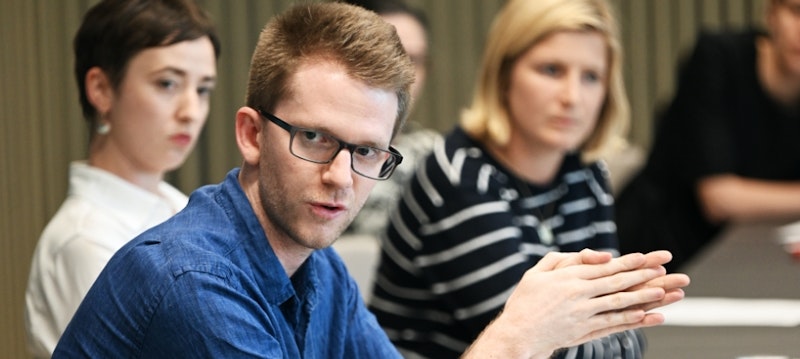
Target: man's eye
pixel 318 139
pixel 365 151
pixel 311 136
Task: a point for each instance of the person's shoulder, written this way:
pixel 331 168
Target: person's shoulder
pixel 173 195
pixel 598 168
pixel 458 148
pixel 457 160
pixel 186 245
pixel 728 40
pixel 210 234
pixel 600 173
pixel 79 223
pixel 575 169
pixel 717 57
pixel 166 263
pixel 461 172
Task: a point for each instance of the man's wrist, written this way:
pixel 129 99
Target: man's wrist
pixel 500 339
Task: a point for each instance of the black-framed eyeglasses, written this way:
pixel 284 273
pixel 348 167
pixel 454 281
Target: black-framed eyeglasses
pixel 319 147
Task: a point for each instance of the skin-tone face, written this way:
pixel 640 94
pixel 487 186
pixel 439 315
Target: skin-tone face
pixel 157 112
pixel 556 91
pixel 304 205
pixel 412 36
pixel 784 24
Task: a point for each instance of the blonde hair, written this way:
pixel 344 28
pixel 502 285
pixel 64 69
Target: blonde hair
pixel 520 25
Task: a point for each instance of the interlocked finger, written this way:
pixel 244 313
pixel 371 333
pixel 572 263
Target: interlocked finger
pixel 623 280
pixel 626 300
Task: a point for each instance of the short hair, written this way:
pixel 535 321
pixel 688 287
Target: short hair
pixel 522 24
pixel 365 45
pixel 114 31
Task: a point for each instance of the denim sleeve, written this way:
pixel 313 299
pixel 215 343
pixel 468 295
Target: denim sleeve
pixel 204 316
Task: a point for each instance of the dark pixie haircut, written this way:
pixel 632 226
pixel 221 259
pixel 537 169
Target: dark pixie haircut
pixel 114 31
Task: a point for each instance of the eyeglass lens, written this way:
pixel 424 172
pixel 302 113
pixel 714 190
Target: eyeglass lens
pixel 322 148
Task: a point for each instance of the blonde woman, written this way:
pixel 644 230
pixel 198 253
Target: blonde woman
pixel 518 178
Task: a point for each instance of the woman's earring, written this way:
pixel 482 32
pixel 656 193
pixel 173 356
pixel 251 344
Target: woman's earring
pixel 103 128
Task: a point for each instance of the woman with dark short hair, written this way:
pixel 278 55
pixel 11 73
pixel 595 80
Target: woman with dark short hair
pixel 145 71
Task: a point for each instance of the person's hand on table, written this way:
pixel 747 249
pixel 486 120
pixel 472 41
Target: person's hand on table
pixel 571 298
pixel 671 283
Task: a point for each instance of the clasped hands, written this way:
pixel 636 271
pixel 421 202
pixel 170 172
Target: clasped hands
pixel 571 298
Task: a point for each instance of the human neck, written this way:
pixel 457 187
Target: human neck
pixel 290 254
pixel 147 180
pixel 534 164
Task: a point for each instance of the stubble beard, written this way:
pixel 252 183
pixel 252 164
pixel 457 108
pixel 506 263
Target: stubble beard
pixel 285 218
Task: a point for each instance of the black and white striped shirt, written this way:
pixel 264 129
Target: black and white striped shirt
pixel 463 234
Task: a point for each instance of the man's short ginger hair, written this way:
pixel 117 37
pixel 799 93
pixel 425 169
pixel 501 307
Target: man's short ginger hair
pixel 360 40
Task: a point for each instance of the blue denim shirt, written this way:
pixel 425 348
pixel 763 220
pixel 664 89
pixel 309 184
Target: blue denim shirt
pixel 206 284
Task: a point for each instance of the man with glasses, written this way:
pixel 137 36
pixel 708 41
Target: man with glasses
pixel 319 147
pixel 246 269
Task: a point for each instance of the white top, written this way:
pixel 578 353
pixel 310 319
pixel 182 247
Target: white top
pixel 101 213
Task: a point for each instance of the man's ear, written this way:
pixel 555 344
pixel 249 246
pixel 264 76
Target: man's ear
pixel 99 90
pixel 248 134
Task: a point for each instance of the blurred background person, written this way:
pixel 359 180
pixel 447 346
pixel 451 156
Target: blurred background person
pixel 517 178
pixel 416 141
pixel 726 148
pixel 145 70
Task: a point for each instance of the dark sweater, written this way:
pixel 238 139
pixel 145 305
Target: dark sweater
pixel 720 121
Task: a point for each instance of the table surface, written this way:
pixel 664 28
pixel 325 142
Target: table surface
pixel 746 261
